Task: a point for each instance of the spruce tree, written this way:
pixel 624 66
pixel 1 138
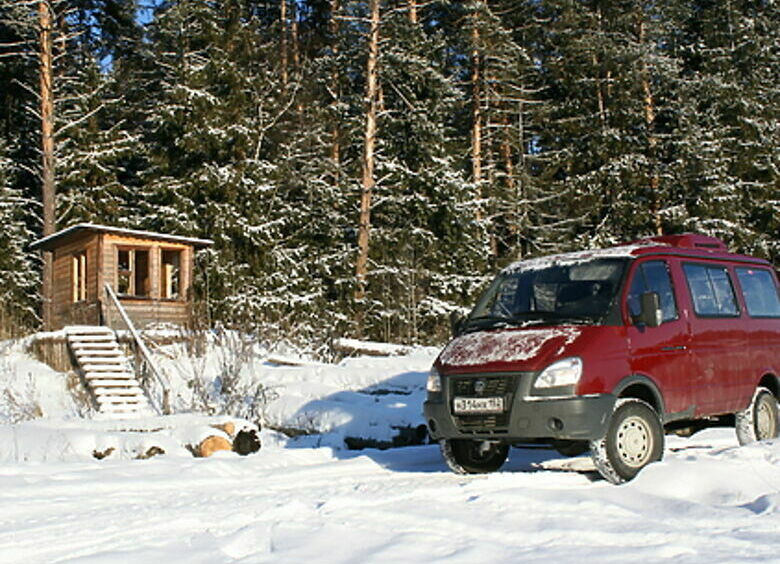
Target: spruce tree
pixel 18 270
pixel 729 127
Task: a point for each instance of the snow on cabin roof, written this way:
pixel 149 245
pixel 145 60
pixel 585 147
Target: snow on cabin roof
pixel 50 241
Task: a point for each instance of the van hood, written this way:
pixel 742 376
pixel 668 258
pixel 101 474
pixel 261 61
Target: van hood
pixel 507 349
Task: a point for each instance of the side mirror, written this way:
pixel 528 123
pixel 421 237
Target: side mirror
pixel 651 314
pixel 456 323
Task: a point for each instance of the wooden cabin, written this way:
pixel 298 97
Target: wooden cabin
pixel 150 273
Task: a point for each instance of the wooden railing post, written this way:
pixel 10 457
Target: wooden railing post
pixel 143 349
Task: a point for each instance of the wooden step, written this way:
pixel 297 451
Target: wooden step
pixel 99 345
pixel 85 333
pixel 107 367
pixel 113 361
pixel 112 382
pixel 113 400
pixel 116 375
pixel 90 339
pixel 85 354
pixel 108 393
pixel 118 390
pixel 88 361
pixel 81 329
pixel 108 372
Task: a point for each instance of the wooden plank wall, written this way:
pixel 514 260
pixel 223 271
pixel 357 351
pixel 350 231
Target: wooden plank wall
pixel 147 312
pixel 63 309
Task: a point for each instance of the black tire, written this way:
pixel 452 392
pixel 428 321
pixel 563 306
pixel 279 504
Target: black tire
pixel 759 421
pixel 465 456
pixel 571 448
pixel 634 438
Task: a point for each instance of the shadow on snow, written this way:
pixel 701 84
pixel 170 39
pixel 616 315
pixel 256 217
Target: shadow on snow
pixel 376 421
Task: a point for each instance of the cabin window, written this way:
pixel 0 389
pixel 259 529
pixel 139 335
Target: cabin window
pixel 171 275
pixel 132 272
pixel 79 276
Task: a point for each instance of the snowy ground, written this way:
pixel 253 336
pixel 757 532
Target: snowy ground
pixel 310 499
pixel 709 501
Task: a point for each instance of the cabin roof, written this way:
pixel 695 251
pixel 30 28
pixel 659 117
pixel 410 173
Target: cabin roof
pixel 51 241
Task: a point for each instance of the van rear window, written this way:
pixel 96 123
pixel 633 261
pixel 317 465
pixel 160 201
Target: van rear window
pixel 759 291
pixel 711 290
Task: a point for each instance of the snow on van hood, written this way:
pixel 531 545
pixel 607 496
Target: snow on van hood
pixel 512 345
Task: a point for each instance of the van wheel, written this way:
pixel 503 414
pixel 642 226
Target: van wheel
pixel 465 456
pixel 634 438
pixel 760 420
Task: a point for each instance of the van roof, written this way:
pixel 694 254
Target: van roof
pixel 687 244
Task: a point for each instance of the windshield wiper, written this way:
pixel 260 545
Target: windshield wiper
pixel 491 322
pixel 576 319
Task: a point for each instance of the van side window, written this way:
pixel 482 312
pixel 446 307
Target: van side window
pixel 653 276
pixel 759 291
pixel 711 290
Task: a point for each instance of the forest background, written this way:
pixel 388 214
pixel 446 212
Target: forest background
pixel 365 167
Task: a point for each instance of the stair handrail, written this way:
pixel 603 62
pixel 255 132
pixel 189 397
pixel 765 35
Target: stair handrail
pixel 143 349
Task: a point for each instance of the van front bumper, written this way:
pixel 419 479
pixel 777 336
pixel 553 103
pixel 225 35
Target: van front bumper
pixel 528 417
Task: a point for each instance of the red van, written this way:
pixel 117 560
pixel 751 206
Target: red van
pixel 608 350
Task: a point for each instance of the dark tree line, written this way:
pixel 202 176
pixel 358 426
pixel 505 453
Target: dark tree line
pixel 365 166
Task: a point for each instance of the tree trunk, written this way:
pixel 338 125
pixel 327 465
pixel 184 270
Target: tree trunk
pixel 521 197
pixel 652 140
pixel 283 39
pixel 48 189
pixel 413 17
pixel 367 182
pixel 296 55
pixel 335 152
pixel 476 119
pixel 600 93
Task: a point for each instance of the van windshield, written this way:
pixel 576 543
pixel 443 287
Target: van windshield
pixel 579 292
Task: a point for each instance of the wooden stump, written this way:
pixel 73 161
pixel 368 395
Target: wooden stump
pixel 212 444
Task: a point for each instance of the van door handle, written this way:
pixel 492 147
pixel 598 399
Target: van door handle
pixel 677 348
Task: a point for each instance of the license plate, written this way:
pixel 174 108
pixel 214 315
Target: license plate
pixel 478 405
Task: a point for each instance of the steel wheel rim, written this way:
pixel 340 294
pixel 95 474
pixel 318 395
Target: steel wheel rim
pixel 634 442
pixel 765 424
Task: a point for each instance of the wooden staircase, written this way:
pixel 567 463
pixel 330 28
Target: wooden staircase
pixel 107 372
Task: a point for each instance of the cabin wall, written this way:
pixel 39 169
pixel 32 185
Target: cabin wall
pixel 64 311
pixel 144 313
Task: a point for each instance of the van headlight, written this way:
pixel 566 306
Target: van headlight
pixel 434 381
pixel 564 372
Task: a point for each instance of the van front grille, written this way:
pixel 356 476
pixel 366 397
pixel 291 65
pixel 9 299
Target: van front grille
pixel 489 386
pixel 493 386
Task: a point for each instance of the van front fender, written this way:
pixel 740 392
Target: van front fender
pixel 642 387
